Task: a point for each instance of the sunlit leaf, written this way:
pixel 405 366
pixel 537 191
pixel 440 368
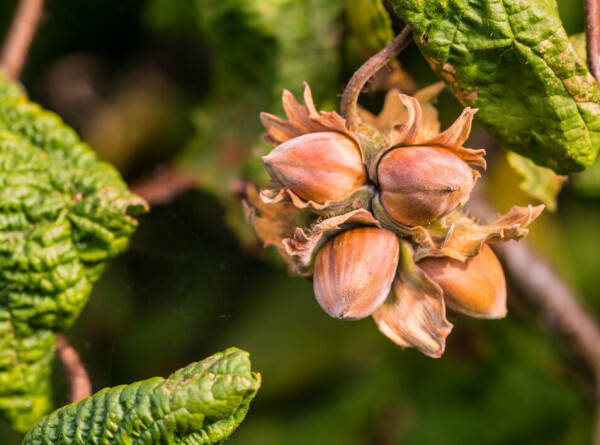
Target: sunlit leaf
pixel 63 215
pixel 202 403
pixel 586 183
pixel 512 60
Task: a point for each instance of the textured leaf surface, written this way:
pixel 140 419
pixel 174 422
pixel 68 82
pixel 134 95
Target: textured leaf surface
pixel 200 404
pixel 586 183
pixel 512 60
pixel 63 214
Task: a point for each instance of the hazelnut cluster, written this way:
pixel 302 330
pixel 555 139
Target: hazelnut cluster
pixel 374 215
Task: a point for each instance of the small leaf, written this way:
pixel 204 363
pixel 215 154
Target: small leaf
pixel 512 60
pixel 202 403
pixel 63 214
pixel 579 45
pixel 538 182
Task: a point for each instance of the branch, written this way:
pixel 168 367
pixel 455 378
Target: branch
pixel 19 38
pixel 164 184
pixel 364 73
pixel 76 374
pixel 592 35
pixel 558 304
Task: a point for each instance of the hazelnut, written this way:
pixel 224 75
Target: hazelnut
pixel 318 167
pixel 476 287
pixel 354 272
pixel 421 184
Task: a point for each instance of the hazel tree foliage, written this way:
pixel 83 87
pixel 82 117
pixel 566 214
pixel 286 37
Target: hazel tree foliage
pixel 200 404
pixel 63 215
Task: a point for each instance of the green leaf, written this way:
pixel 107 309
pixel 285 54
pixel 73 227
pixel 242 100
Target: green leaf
pixel 538 182
pixel 202 403
pixel 512 60
pixel 370 23
pixel 586 183
pixel 63 214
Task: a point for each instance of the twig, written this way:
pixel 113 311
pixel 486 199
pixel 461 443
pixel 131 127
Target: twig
pixel 78 378
pixel 558 304
pixel 365 72
pixel 20 36
pixel 560 309
pixel 592 34
pixel 164 184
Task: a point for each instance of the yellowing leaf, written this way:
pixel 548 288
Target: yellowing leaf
pixel 538 182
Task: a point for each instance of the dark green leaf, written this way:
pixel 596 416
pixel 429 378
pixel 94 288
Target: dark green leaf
pixel 63 214
pixel 512 60
pixel 200 404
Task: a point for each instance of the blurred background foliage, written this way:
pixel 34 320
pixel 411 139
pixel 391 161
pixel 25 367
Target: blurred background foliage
pixel 180 83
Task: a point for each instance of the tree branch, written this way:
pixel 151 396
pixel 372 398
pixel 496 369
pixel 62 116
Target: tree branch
pixel 20 36
pixel 558 304
pixel 592 34
pixel 348 107
pixel 164 184
pixel 74 369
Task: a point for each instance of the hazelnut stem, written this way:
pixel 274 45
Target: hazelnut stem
pixel 164 184
pixel 354 87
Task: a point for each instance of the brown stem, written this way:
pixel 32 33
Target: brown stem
pixel 164 184
pixel 78 378
pixel 19 38
pixel 559 305
pixel 592 34
pixel 349 103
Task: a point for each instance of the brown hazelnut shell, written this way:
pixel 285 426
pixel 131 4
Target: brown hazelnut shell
pixel 354 272
pixel 421 184
pixel 319 167
pixel 476 287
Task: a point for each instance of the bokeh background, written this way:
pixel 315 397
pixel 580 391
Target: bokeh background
pixel 162 85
